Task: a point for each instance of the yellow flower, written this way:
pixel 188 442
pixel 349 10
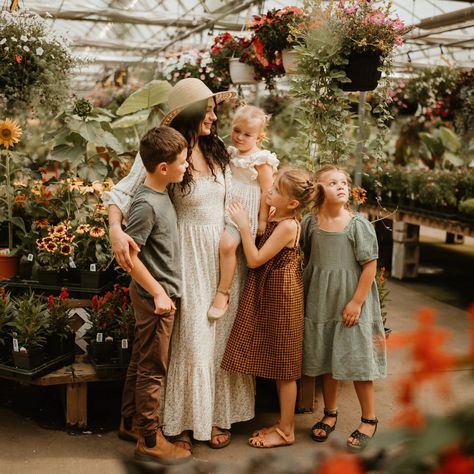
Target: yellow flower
pixel 66 249
pixel 359 194
pixel 10 132
pixel 97 232
pixel 83 228
pixel 51 247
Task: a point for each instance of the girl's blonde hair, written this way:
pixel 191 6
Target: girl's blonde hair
pixel 254 116
pixel 320 195
pixel 297 183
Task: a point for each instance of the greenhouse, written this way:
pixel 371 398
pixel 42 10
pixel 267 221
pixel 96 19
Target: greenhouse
pixel 228 227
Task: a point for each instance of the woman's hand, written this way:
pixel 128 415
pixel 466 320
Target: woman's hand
pixel 351 313
pixel 239 214
pixel 121 243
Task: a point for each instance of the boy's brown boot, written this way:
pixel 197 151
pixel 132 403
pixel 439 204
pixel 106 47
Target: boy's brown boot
pixel 156 448
pixel 128 429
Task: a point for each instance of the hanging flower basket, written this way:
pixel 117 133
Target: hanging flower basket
pixel 363 71
pixel 289 58
pixel 241 73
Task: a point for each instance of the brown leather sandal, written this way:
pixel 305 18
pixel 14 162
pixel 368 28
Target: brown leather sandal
pixel 218 432
pixel 262 441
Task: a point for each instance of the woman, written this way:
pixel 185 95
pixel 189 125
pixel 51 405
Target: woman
pixel 200 396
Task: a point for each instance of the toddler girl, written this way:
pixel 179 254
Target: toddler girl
pixel 252 175
pixel 267 337
pixel 344 336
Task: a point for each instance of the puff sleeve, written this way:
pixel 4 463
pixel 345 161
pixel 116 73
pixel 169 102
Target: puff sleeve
pixel 121 194
pixel 364 240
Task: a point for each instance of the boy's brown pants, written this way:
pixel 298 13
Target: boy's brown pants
pixel 148 364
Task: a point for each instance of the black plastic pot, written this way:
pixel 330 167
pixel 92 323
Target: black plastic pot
pixel 101 351
pixel 56 345
pixel 28 360
pixel 94 280
pixel 363 72
pixel 49 277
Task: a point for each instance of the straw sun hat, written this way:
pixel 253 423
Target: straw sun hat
pixel 189 91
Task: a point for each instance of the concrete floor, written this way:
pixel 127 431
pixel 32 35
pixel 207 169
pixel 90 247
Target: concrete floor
pixel 32 441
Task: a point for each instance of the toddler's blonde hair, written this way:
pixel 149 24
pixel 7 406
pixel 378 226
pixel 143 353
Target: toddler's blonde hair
pixel 254 116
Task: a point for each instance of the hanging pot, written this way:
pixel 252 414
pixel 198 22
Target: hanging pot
pixel 362 70
pixel 289 58
pixel 8 266
pixel 241 73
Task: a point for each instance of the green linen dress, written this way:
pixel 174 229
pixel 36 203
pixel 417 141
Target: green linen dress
pixel 330 277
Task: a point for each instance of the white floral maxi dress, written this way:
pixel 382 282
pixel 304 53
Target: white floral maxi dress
pixel 199 394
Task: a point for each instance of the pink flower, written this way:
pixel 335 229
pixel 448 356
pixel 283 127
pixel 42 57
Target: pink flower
pixel 352 9
pixel 398 40
pixel 376 18
pixel 397 24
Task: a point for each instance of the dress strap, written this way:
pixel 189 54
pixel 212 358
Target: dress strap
pixel 298 232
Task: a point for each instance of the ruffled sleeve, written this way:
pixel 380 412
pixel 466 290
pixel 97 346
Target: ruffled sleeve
pixel 364 240
pixel 261 157
pixel 307 227
pixel 121 194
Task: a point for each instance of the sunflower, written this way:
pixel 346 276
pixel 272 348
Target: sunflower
pixel 10 133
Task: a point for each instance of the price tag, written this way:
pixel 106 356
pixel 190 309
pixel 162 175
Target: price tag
pixel 30 257
pixel 99 337
pixel 16 348
pixel 124 343
pixel 93 267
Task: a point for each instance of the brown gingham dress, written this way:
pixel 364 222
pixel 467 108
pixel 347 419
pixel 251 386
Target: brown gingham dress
pixel 267 337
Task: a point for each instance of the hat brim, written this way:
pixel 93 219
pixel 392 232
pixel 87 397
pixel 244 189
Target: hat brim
pixel 219 97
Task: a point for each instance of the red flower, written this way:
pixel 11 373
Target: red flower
pixel 18 58
pixel 64 295
pixel 456 462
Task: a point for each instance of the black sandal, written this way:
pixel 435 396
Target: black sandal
pixel 361 437
pixel 324 426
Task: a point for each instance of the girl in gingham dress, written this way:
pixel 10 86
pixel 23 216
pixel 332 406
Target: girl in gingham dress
pixel 267 337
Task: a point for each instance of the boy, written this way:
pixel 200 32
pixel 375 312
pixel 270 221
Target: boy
pixel 155 287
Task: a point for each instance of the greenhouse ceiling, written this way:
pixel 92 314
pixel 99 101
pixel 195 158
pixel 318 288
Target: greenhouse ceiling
pixel 114 34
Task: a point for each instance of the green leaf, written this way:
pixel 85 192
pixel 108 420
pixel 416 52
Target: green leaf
pixel 154 93
pixel 67 152
pixel 97 172
pixel 454 159
pixel 19 222
pixel 89 131
pixel 108 140
pixel 450 139
pixel 132 120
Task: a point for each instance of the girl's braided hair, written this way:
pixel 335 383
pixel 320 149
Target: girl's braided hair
pixel 298 184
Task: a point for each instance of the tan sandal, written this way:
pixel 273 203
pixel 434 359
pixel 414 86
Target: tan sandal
pixel 261 441
pixel 218 432
pixel 185 439
pixel 216 313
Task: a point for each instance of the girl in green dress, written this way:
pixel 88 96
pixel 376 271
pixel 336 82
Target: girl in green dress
pixel 344 336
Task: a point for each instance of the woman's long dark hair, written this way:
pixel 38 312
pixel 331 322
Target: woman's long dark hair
pixel 188 122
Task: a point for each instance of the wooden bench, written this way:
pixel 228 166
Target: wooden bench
pixel 75 378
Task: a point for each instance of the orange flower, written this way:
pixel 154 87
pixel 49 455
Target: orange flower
pixel 21 198
pixel 41 223
pixel 359 194
pixel 341 462
pixel 456 462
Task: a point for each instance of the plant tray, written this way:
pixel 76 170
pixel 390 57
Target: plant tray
pixel 110 369
pixel 8 371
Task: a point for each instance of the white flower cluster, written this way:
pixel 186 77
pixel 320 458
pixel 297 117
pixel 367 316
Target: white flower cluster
pixel 34 33
pixel 189 58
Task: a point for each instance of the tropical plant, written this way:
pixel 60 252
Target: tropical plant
pixel 85 142
pixel 6 316
pixel 36 64
pixel 30 324
pixel 440 147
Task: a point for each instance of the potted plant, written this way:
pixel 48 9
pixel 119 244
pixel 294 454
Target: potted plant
pixel 60 338
pixel 223 49
pixel 36 64
pixel 242 62
pixel 55 253
pixel 10 133
pixel 6 316
pixel 334 33
pixel 277 32
pixel 103 318
pixel 93 256
pixel 126 326
pixel 30 327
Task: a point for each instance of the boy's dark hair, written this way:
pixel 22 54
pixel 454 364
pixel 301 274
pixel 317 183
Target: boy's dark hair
pixel 161 145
